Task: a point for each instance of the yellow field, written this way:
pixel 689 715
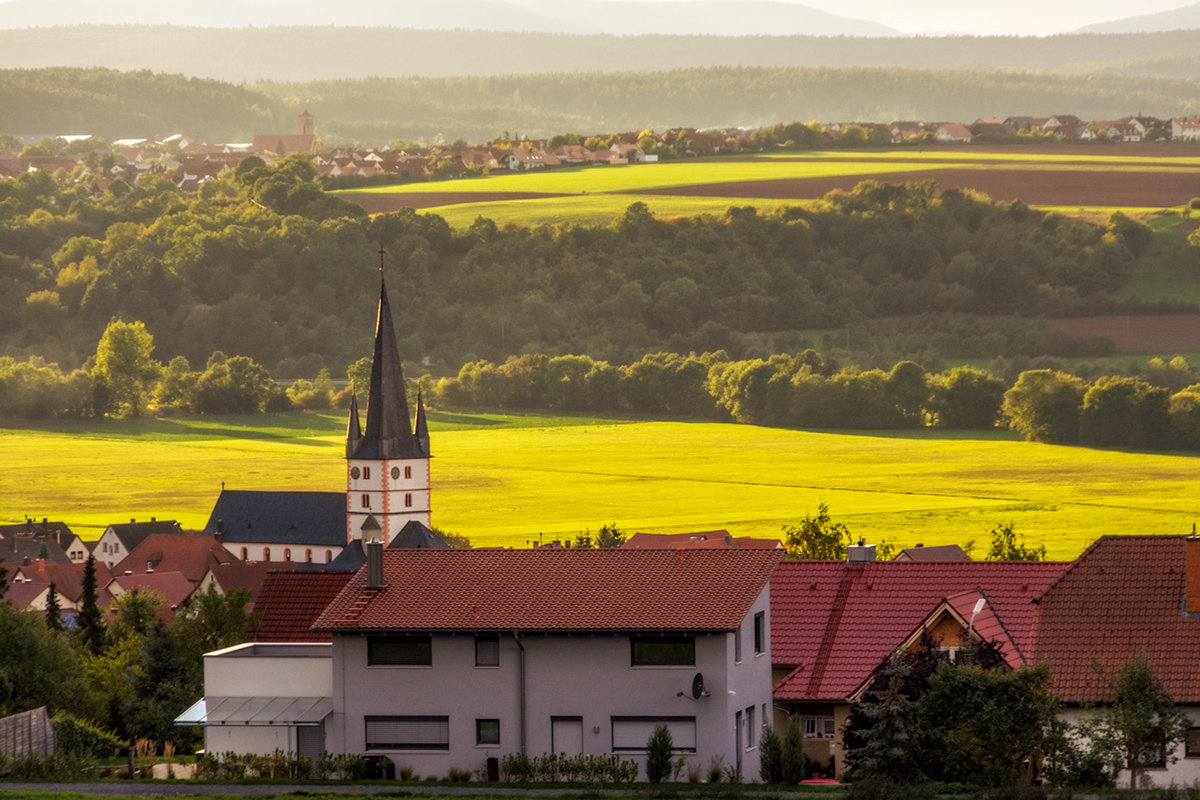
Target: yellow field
pixel 510 480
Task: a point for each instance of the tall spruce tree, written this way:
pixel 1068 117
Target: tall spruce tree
pixel 89 622
pixel 53 610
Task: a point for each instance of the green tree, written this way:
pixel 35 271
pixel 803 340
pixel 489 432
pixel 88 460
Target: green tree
pixel 38 667
pixel 213 620
pixel 795 763
pixel 659 754
pixel 984 725
pixel 124 362
pixel 1142 724
pixel 88 622
pixel 53 609
pixel 906 387
pixel 770 756
pixel 966 398
pixel 818 538
pixel 1125 412
pixel 887 745
pixel 1044 406
pixel 1005 547
pixel 610 535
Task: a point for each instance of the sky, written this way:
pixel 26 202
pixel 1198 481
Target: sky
pixel 992 17
pixel 977 17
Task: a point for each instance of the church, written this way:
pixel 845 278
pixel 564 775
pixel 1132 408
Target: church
pixel 387 496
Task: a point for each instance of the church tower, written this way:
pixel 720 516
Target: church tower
pixel 306 123
pixel 387 464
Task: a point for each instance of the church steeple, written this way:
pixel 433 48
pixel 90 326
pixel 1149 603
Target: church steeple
pixel 389 432
pixel 387 474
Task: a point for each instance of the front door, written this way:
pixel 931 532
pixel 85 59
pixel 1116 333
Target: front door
pixel 566 735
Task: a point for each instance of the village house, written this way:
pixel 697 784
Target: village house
pixel 1124 597
pixel 1185 129
pixel 716 540
pixel 442 658
pixel 119 539
pixel 952 132
pixel 51 541
pixel 834 622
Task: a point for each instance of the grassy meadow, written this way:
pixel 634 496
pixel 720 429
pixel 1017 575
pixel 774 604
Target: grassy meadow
pixel 511 479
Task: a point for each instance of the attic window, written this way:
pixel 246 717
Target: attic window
pixel 399 651
pixel 663 651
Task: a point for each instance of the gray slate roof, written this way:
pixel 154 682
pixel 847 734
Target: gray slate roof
pixel 415 536
pixel 306 518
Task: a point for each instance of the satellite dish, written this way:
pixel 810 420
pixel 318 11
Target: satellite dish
pixel 698 687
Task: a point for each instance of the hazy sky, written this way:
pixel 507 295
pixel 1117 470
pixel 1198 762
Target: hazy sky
pixel 996 17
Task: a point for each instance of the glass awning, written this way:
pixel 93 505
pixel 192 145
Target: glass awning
pixel 257 711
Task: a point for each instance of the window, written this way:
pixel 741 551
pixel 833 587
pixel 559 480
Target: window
pixel 245 554
pixel 819 727
pixel 366 500
pixel 408 733
pixel 308 555
pixel 403 651
pixel 266 554
pixel 407 473
pixel 760 633
pixel 328 556
pixel 487 731
pixel 1191 744
pixel 408 499
pixel 663 651
pixel 751 728
pixel 737 645
pixel 632 733
pixel 366 473
pixel 487 651
pixel 287 554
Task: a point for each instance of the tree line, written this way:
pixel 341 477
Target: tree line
pixel 262 263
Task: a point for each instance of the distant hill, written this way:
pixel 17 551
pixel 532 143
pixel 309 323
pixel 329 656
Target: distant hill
pixel 314 53
pixel 1185 18
pixel 382 110
pixel 704 17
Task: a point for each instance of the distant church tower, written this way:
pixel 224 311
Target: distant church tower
pixel 387 465
pixel 306 123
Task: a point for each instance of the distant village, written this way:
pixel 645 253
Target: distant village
pixel 189 163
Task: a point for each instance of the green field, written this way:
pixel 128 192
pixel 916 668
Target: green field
pixel 515 479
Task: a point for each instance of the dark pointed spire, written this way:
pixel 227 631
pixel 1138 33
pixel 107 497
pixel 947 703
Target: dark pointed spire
pixel 422 427
pixel 389 428
pixel 353 428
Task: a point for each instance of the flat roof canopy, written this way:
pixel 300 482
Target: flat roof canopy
pixel 257 711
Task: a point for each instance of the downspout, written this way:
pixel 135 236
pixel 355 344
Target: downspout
pixel 521 672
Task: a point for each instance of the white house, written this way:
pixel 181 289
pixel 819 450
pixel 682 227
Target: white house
pixel 444 658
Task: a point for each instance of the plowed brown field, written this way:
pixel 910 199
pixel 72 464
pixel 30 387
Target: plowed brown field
pixel 1118 186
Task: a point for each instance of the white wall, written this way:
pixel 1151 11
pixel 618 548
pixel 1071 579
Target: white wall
pixel 571 675
pixel 1183 772
pixel 269 670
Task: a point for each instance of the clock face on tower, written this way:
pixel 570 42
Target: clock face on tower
pixel 395 473
pixel 354 473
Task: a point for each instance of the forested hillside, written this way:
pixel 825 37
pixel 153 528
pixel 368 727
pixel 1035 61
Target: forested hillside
pixel 261 263
pixel 380 110
pixel 310 53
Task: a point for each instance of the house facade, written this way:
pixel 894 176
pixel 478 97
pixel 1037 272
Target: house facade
pixel 444 658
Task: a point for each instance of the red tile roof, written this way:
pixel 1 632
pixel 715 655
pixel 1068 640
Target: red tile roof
pixel 1123 596
pixel 172 586
pixel 191 554
pixel 719 539
pixel 67 579
pixel 834 622
pixel 289 603
pixel 555 590
pixel 246 575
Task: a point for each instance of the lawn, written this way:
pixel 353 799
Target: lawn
pixel 510 480
pixel 592 209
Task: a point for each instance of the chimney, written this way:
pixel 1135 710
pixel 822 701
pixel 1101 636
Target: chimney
pixel 152 519
pixel 149 567
pixel 861 553
pixel 45 521
pixel 1191 573
pixel 374 550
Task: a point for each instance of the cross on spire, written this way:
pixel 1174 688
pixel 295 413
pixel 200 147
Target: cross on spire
pixel 381 252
